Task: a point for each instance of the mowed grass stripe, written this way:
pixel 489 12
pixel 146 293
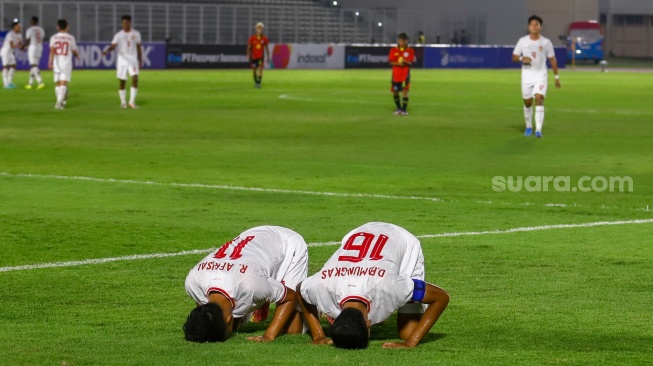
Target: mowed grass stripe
pixel 425 236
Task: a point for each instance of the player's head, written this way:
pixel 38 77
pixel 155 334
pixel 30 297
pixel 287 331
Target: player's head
pixel 15 26
pixel 259 28
pixel 402 39
pixel 206 323
pixel 126 21
pixel 35 20
pixel 62 25
pixel 535 24
pixel 350 330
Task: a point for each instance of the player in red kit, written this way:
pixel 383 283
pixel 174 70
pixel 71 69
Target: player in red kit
pixel 255 47
pixel 401 57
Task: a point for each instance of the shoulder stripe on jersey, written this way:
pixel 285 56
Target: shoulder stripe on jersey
pixel 359 298
pixel 223 292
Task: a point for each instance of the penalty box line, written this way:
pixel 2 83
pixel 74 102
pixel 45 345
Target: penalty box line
pixel 333 243
pixel 223 187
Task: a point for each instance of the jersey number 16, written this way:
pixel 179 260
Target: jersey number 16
pixel 364 247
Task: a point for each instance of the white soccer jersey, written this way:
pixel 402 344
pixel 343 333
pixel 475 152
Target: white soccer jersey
pixel 63 44
pixel 251 269
pixel 539 52
pixel 375 264
pixel 35 35
pixel 11 37
pixel 126 43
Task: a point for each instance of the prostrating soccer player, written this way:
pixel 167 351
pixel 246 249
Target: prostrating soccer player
pixel 13 40
pixel 263 264
pixel 378 269
pixel 34 42
pixel 62 48
pixel 401 57
pixel 255 46
pixel 532 51
pixel 130 60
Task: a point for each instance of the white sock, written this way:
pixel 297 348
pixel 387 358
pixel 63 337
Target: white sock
pixel 57 92
pixel 528 116
pixel 4 77
pixel 132 94
pixel 37 75
pixel 61 93
pixel 123 96
pixel 31 76
pixel 10 75
pixel 539 118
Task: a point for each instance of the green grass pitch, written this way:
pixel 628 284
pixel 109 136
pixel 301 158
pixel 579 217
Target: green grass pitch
pixel 570 296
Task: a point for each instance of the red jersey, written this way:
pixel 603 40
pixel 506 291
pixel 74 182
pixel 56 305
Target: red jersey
pixel 258 44
pixel 400 73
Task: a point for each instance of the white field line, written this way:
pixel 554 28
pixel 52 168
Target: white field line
pixel 223 187
pixel 564 110
pixel 427 236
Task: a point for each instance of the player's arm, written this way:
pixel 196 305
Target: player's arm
pixel 139 51
pixel 285 309
pixel 267 53
pixel 51 57
pixel 26 44
pixel 249 51
pixel 76 54
pixel 554 66
pixel 109 49
pixel 437 300
pixel 312 320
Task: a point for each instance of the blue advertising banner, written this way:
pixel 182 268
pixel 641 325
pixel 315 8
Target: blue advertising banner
pixel 90 54
pixel 479 57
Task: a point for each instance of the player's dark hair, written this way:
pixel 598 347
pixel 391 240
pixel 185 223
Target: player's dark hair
pixel 62 24
pixel 535 17
pixel 35 20
pixel 127 18
pixel 349 330
pixel 13 24
pixel 205 323
pixel 403 36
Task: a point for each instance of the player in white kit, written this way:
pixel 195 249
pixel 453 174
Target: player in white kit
pixel 379 268
pixel 130 60
pixel 13 40
pixel 533 51
pixel 34 37
pixel 263 264
pixel 62 48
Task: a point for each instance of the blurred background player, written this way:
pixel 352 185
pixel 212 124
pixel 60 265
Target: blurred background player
pixel 261 265
pixel 532 51
pixel 130 60
pixel 401 57
pixel 34 42
pixel 13 40
pixel 62 48
pixel 379 268
pixel 255 47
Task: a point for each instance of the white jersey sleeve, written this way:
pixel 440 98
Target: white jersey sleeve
pixel 116 39
pixel 519 48
pixel 548 48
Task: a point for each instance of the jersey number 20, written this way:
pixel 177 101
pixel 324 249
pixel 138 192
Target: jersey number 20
pixel 364 247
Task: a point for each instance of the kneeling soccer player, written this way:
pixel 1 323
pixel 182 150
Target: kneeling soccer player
pixel 378 269
pixel 242 276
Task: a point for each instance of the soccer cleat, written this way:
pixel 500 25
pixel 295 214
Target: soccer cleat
pixel 58 106
pixel 40 86
pixel 28 86
pixel 404 113
pixel 10 86
pixel 398 112
pixel 538 134
pixel 257 86
pixel 133 106
pixel 529 131
pixel 123 106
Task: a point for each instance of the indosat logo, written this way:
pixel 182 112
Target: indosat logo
pixel 282 53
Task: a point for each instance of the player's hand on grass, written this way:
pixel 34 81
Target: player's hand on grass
pixel 259 339
pixel 558 85
pixel 396 345
pixel 526 60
